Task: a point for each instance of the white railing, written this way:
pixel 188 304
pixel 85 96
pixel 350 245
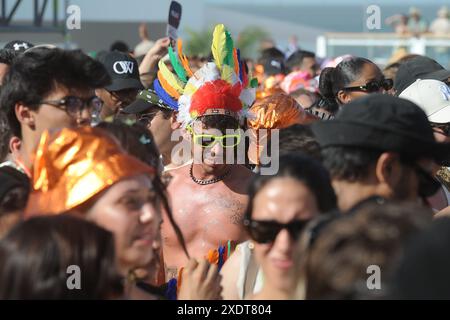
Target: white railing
pixel 332 44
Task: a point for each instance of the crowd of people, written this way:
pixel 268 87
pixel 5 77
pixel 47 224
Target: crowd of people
pixel 415 24
pixel 176 177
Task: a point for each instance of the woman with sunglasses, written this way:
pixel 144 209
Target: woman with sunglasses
pixel 280 206
pixel 352 78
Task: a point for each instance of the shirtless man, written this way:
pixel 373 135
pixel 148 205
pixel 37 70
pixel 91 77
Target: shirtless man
pixel 208 197
pixel 208 194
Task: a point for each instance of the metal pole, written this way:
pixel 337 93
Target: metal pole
pixel 55 13
pixel 64 26
pixel 3 20
pixel 42 11
pixel 36 12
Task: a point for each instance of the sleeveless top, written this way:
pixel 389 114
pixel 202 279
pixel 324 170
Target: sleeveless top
pixel 250 279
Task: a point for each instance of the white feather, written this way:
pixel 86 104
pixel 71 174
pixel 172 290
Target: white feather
pixel 248 96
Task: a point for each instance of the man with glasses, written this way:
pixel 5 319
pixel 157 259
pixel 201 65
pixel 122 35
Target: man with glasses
pixel 125 84
pixel 383 146
pixel 47 89
pixel 209 194
pixel 160 118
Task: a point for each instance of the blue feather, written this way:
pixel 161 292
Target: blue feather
pixel 241 76
pixel 164 95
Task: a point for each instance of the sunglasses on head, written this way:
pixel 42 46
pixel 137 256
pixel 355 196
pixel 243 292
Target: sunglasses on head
pixel 266 231
pixel 209 140
pixel 373 86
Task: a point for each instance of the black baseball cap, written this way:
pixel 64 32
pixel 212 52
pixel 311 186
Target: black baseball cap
pixel 419 67
pixel 123 70
pixel 274 67
pixel 12 178
pixel 382 122
pixel 145 100
pixel 18 45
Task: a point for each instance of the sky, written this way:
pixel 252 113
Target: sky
pixel 156 10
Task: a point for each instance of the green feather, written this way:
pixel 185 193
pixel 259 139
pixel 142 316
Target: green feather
pixel 230 45
pixel 254 83
pixel 179 69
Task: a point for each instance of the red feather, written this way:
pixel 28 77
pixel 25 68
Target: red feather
pixel 217 94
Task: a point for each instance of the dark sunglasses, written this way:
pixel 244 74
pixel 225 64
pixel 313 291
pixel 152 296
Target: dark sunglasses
pixel 146 118
pixel 373 86
pixel 443 127
pixel 266 231
pixel 428 185
pixel 75 105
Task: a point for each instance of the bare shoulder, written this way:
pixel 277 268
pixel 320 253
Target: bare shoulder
pixel 241 178
pixel 178 171
pixel 244 172
pixel 175 176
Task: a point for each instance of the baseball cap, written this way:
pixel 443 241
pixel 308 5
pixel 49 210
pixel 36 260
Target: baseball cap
pixel 145 100
pixel 432 96
pixel 12 178
pixel 18 45
pixel 382 122
pixel 123 70
pixel 419 67
pixel 274 66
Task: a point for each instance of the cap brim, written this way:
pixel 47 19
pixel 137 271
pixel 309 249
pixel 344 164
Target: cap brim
pixel 122 84
pixel 137 106
pixel 441 75
pixel 441 116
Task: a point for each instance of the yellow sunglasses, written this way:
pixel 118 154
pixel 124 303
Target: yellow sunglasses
pixel 208 140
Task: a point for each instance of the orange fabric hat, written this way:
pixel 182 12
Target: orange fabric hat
pixel 73 165
pixel 276 111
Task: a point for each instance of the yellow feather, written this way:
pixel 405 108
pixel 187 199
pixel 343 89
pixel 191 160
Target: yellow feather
pixel 169 89
pixel 190 89
pixel 170 78
pixel 227 73
pixel 219 45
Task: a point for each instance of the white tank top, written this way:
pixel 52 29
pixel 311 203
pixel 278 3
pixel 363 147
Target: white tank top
pixel 250 279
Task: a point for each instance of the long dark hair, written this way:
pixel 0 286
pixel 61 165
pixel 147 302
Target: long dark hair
pixel 36 253
pixel 304 169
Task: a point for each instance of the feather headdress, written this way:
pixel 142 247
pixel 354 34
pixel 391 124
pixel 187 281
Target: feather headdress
pixel 219 87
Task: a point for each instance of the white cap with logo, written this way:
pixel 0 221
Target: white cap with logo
pixel 433 96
